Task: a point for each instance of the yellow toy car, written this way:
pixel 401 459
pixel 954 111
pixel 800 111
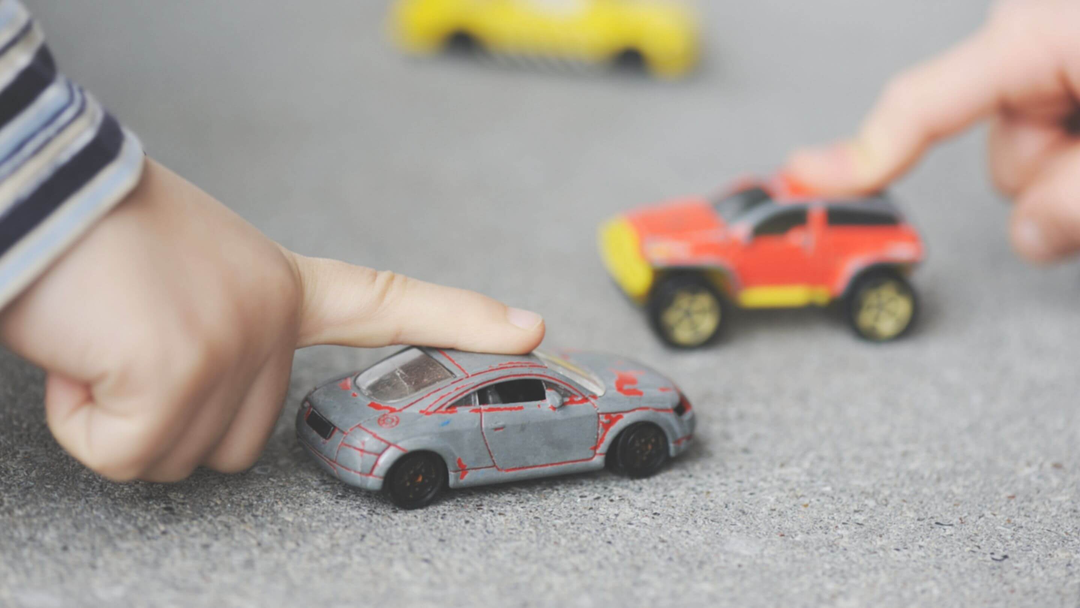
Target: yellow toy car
pixel 658 35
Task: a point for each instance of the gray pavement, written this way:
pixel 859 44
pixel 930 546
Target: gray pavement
pixel 939 471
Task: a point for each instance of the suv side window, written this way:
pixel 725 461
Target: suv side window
pixel 513 391
pixel 839 216
pixel 779 223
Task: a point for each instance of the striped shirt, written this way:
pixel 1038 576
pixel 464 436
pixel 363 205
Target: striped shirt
pixel 64 161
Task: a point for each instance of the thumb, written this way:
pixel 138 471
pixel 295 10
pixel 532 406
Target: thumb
pixel 1046 220
pixel 355 306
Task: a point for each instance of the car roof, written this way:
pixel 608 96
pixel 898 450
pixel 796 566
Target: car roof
pixel 462 363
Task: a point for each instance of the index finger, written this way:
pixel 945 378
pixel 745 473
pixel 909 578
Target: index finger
pixel 932 101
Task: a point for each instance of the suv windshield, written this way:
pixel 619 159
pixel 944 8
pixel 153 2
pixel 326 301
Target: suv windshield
pixel 399 376
pixel 585 378
pixel 731 206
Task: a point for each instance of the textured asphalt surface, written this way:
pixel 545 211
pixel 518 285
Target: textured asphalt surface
pixel 942 470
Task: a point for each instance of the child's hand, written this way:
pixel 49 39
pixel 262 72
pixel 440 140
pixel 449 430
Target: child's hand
pixel 1023 70
pixel 168 332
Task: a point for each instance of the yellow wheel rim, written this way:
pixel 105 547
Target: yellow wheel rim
pixel 884 310
pixel 691 318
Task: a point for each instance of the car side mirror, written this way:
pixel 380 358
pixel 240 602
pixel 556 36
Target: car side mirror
pixel 555 399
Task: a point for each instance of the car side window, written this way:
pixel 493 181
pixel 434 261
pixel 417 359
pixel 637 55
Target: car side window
pixel 839 216
pixel 468 400
pixel 779 223
pixel 513 391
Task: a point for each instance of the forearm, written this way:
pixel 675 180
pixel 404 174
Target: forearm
pixel 64 161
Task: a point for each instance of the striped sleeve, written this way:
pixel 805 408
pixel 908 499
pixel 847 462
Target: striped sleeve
pixel 64 161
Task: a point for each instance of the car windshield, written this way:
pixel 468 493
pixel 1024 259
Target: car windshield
pixel 399 376
pixel 731 206
pixel 576 373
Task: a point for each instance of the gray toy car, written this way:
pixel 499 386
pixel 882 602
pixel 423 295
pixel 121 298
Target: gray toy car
pixel 424 419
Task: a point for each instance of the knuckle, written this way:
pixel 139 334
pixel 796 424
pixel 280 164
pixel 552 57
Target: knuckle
pixel 388 288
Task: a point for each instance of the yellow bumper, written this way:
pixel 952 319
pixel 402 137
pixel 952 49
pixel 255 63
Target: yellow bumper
pixel 620 249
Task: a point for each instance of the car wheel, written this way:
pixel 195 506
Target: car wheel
pixel 881 306
pixel 631 61
pixel 461 43
pixel 686 311
pixel 642 450
pixel 416 480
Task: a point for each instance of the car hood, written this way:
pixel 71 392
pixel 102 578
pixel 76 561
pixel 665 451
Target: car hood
pixel 628 384
pixel 676 218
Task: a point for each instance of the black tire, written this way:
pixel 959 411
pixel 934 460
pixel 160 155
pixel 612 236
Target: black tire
pixel 641 450
pixel 630 61
pixel 881 305
pixel 462 43
pixel 687 311
pixel 416 480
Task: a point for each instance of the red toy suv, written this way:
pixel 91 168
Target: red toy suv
pixel 770 244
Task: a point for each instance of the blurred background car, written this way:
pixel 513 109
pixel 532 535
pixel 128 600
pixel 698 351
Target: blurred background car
pixel 660 37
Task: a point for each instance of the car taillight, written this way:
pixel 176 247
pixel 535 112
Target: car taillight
pixel 320 425
pixel 683 406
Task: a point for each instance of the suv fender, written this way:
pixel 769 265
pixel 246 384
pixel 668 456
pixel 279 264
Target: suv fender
pixel 852 274
pixel 721 276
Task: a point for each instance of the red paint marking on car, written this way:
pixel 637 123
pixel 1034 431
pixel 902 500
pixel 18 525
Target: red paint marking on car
pixel 388 421
pixel 355 395
pixel 512 364
pixel 353 447
pixel 345 384
pixel 432 392
pixel 464 469
pixel 576 400
pixel 335 465
pixel 380 407
pixel 662 410
pixel 451 360
pixel 452 397
pixel 606 422
pixel 487 445
pixel 665 389
pixel 625 383
pixel 550 464
pixel 510 408
pixel 682 440
pixel 369 432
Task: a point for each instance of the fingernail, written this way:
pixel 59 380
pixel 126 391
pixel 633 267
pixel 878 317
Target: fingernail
pixel 525 319
pixel 1031 240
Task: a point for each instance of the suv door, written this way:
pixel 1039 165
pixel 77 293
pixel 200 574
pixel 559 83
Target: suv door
pixel 780 265
pixel 524 429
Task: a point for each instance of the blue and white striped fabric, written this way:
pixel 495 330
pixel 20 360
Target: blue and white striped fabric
pixel 64 161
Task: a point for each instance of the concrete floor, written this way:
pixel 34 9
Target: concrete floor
pixel 942 470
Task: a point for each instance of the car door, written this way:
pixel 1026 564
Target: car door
pixel 524 428
pixel 780 266
pixel 545 27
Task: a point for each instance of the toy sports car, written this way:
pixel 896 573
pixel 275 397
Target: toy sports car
pixel 659 36
pixel 765 244
pixel 424 419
